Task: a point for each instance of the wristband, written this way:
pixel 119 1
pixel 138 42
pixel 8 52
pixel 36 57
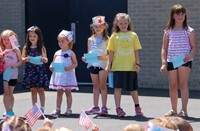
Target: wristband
pixel 138 64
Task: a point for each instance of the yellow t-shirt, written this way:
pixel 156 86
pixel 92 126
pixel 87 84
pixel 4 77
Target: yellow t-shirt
pixel 124 45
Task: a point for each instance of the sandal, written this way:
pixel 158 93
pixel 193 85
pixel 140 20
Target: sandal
pixel 182 114
pixel 171 113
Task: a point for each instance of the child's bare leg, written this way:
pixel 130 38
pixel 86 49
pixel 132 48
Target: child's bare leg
pixel 59 98
pixel 96 89
pixel 103 78
pixel 69 98
pixel 6 99
pixel 42 96
pixel 34 95
pixel 117 95
pixel 11 96
pixel 135 97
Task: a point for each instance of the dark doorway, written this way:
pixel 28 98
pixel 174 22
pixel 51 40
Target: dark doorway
pixel 54 15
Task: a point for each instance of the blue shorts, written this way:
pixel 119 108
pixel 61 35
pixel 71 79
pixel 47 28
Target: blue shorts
pixel 126 80
pixel 95 70
pixel 170 66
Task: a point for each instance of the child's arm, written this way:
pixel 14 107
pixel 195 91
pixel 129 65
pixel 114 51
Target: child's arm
pixel 51 67
pixel 137 57
pixel 74 61
pixel 192 39
pixel 88 49
pixel 24 56
pixel 19 58
pixel 164 53
pixel 110 59
pixel 44 55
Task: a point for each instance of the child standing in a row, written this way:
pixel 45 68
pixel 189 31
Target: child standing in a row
pixel 12 59
pixel 97 43
pixel 35 76
pixel 124 61
pixel 65 81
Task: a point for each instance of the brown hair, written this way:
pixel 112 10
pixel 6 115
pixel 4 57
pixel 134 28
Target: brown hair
pixel 164 122
pixel 105 32
pixel 40 42
pixel 177 9
pixel 63 36
pixel 181 123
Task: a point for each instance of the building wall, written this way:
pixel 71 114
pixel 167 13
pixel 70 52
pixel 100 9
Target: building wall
pixel 12 16
pixel 149 20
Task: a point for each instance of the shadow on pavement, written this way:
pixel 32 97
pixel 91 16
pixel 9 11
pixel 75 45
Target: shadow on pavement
pixel 135 118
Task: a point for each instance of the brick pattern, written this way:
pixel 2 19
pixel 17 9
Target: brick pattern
pixel 149 19
pixel 12 16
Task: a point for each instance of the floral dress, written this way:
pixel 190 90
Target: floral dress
pixel 35 76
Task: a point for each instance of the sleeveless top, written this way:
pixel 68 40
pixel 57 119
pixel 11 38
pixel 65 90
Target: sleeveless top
pixel 98 45
pixel 178 43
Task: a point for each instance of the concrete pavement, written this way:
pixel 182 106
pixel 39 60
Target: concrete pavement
pixel 154 102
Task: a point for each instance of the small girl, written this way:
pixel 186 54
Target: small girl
pixel 35 76
pixel 123 49
pixel 65 80
pixel 12 59
pixel 97 43
pixel 178 39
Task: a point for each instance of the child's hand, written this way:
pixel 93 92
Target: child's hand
pixel 68 68
pixel 138 68
pixel 163 69
pixel 51 68
pixel 26 59
pixel 107 68
pixel 48 123
pixel 95 128
pixel 187 58
pixel 83 59
pixel 44 60
pixel 100 57
pixel 1 55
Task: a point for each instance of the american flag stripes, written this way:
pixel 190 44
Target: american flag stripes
pixel 84 120
pixel 33 115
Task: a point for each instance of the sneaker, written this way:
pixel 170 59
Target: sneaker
pixel 92 110
pixel 182 114
pixel 171 113
pixel 56 112
pixel 68 112
pixel 138 111
pixel 120 112
pixel 10 113
pixel 4 114
pixel 104 111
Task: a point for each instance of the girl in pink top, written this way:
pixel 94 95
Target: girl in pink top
pixel 178 40
pixel 12 59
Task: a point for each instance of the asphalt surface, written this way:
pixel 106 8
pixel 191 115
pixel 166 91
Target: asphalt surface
pixel 154 103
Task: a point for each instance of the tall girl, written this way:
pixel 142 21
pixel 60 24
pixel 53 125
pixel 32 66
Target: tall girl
pixel 97 43
pixel 124 61
pixel 12 59
pixel 178 39
pixel 35 76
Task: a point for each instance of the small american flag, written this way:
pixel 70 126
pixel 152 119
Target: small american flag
pixel 33 114
pixel 84 120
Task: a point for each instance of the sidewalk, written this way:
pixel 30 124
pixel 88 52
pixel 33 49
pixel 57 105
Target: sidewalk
pixel 154 103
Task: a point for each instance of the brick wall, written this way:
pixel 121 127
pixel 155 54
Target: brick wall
pixel 12 16
pixel 149 20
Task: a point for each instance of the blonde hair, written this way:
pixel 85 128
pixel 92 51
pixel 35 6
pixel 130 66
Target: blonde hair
pixel 63 36
pixel 133 127
pixel 181 123
pixel 164 122
pixel 6 33
pixel 16 124
pixel 119 16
